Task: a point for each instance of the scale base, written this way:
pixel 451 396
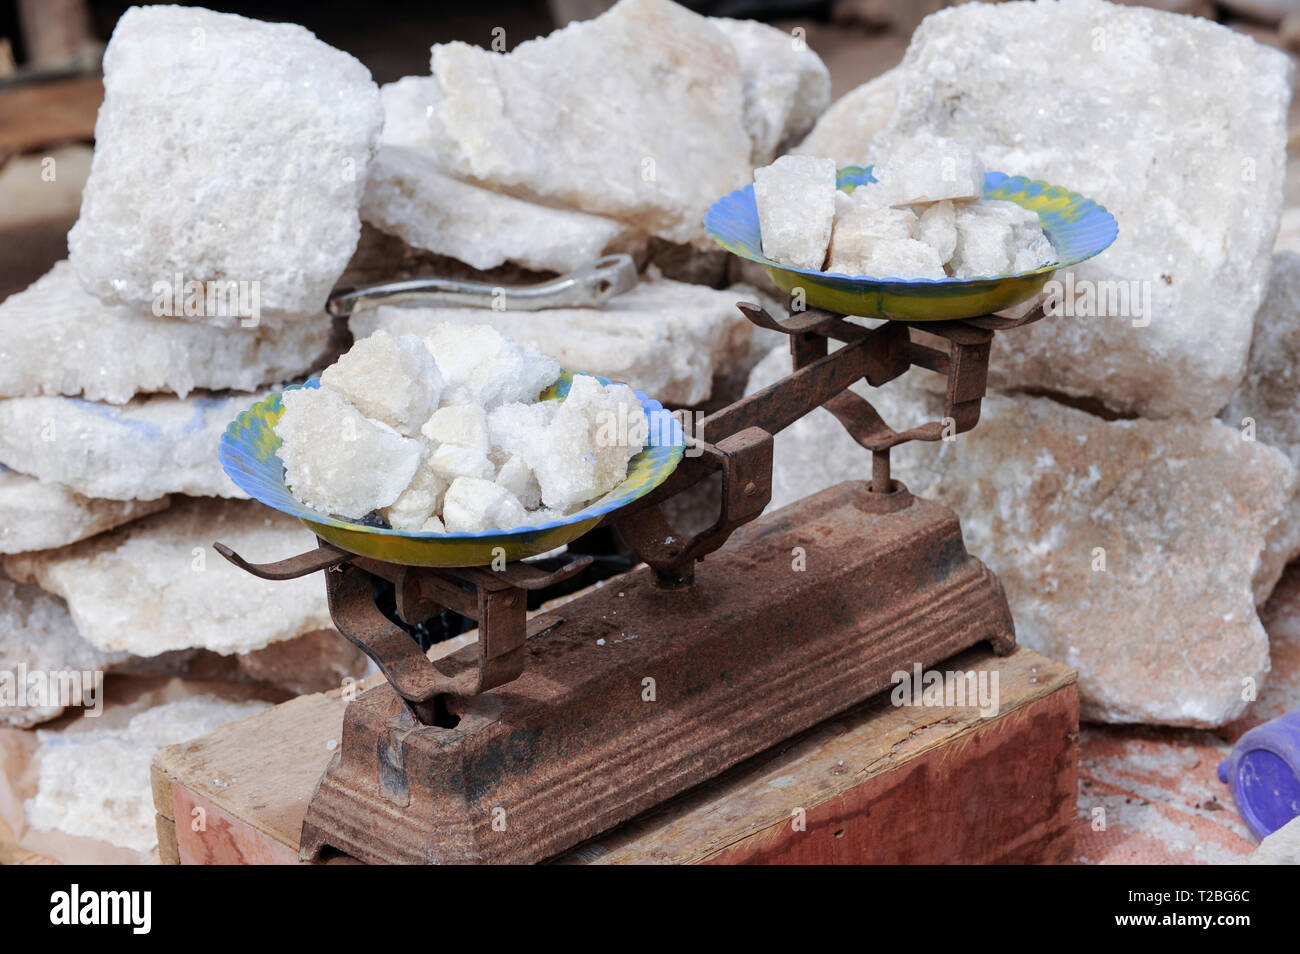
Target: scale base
pixel 641 693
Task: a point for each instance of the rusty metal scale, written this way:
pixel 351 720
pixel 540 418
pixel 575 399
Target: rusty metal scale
pixel 549 731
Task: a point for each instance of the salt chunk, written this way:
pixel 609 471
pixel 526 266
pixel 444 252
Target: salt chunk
pixel 796 206
pixel 473 505
pixel 862 221
pixel 338 461
pixel 517 477
pixel 584 451
pixel 511 426
pixel 465 425
pixel 37 515
pixel 451 461
pixel 418 502
pixel 390 379
pixel 433 525
pixel 226 150
pixel 903 258
pixel 930 168
pixel 986 243
pixel 482 366
pixel 938 229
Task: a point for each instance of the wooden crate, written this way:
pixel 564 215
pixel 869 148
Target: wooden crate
pixel 878 784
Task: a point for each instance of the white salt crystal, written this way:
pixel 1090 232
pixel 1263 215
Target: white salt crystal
pixel 903 258
pixel 796 206
pixel 451 461
pixel 986 242
pixel 463 424
pixel 36 515
pixel 511 426
pixel 473 505
pixel 517 477
pixel 227 150
pixel 584 451
pixel 390 379
pixel 930 168
pixel 337 460
pixel 433 525
pixel 482 366
pixel 861 221
pixel 57 338
pixel 938 229
pixel 418 502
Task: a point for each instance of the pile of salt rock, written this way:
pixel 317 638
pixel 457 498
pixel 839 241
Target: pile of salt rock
pixel 446 434
pixel 923 218
pixel 118 372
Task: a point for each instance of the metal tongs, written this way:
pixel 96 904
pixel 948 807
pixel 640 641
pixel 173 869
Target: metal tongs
pixel 587 287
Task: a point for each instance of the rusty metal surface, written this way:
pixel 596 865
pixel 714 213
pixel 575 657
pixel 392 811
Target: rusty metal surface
pixel 642 692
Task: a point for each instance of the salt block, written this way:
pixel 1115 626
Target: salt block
pixel 418 502
pixel 96 783
pixel 409 195
pixel 937 228
pixel 588 118
pixel 903 258
pixel 786 85
pixel 462 424
pixel 666 338
pixel 35 515
pixel 37 633
pixel 584 451
pixel 796 208
pixel 141 450
pixel 275 204
pixel 1113 561
pixel 844 131
pixel 473 505
pixel 338 461
pixel 54 336
pixel 986 243
pixel 389 379
pixel 156 585
pixel 518 478
pixel 451 461
pixel 511 426
pixel 481 366
pixel 1266 407
pixel 927 168
pixel 1197 197
pixel 862 220
pixel 433 525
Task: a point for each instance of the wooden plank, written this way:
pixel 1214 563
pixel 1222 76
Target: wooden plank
pixel 40 115
pixel 878 783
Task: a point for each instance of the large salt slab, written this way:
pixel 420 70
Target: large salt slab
pixel 1113 557
pixel 338 461
pixel 410 196
pixel 227 149
pixel 56 338
pixel 37 637
pixel 786 85
pixel 156 584
pixel 795 197
pixel 141 450
pixel 482 366
pixel 95 784
pixel 36 516
pixel 1176 124
pixel 391 379
pixel 845 130
pixel 1266 407
pixel 666 338
pixel 590 118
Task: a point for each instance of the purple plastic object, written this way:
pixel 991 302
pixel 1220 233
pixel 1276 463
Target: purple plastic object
pixel 1264 774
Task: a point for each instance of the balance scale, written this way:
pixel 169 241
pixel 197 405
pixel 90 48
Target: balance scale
pixel 551 730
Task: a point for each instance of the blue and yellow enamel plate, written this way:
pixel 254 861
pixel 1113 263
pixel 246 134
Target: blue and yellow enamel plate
pixel 249 456
pixel 1077 227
